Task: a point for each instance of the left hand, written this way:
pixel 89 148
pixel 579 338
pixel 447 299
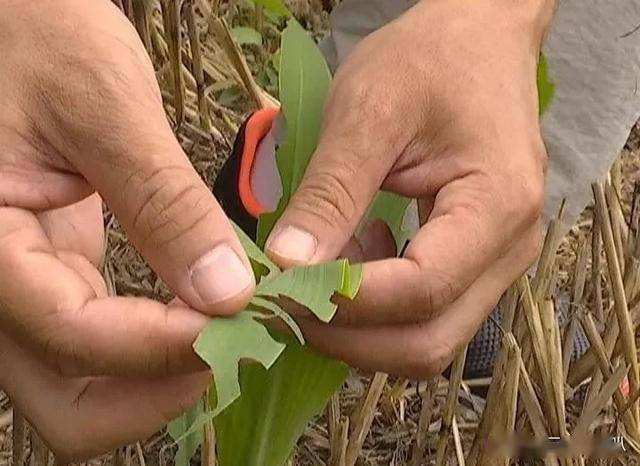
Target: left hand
pixel 80 417
pixel 439 105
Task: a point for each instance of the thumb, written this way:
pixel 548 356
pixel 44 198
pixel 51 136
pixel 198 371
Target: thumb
pixel 173 219
pixel 167 211
pixel 117 136
pixel 324 212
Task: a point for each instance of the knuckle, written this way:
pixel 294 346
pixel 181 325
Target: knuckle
pixel 433 360
pixel 532 193
pixel 440 360
pixel 533 246
pixel 532 187
pixel 437 288
pixel 61 356
pixel 59 338
pixel 170 204
pixel 327 196
pixel 60 350
pixel 363 103
pixel 438 293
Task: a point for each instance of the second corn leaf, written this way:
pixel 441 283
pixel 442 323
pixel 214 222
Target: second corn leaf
pixel 304 82
pixel 262 426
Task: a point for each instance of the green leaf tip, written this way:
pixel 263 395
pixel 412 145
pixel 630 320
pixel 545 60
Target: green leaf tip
pixel 314 286
pixel 351 279
pixel 546 88
pixel 256 256
pixel 246 35
pixel 276 7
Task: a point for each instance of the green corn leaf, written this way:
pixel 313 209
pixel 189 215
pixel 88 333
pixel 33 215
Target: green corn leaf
pixel 273 19
pixel 276 7
pixel 304 82
pixel 260 416
pixel 262 426
pixel 223 345
pixel 391 208
pixel 225 342
pixel 277 311
pixel 179 427
pixel 256 256
pixel 351 279
pixel 245 35
pixel 546 88
pixel 314 286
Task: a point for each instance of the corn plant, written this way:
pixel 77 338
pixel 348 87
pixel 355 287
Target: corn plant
pixel 260 410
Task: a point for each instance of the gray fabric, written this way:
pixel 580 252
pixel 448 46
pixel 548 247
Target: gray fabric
pixel 596 104
pixel 595 70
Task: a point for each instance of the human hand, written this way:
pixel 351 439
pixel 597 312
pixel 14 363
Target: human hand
pixel 439 105
pixel 80 111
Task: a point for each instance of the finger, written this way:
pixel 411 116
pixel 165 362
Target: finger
pixel 376 241
pixel 77 228
pixel 55 304
pixel 460 241
pixel 175 222
pixel 345 173
pixel 38 187
pixel 419 350
pixel 99 413
pixel 126 149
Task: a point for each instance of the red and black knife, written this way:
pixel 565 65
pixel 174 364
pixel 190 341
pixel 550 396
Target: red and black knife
pixel 249 184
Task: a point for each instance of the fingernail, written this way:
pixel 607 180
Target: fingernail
pixel 293 244
pixel 219 275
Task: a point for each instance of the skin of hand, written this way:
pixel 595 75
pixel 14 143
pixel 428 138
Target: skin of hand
pixel 439 105
pixel 81 121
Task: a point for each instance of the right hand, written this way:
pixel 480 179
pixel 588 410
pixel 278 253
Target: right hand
pixel 81 115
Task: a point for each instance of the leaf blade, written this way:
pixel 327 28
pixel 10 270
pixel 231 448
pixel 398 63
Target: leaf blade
pixel 276 7
pixel 546 88
pixel 256 256
pixel 225 342
pixel 304 82
pixel 391 208
pixel 314 286
pixel 244 35
pixel 179 430
pixel 262 426
pixel 277 311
